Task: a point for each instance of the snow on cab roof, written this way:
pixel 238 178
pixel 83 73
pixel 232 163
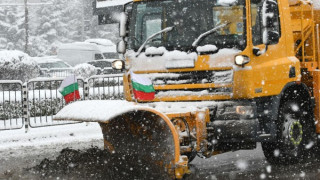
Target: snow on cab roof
pixel 101 4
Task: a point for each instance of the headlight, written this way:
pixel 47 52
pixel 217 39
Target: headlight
pixel 241 60
pixel 235 111
pixel 244 110
pixel 118 64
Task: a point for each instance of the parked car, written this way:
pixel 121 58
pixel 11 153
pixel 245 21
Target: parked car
pixel 104 66
pixel 51 66
pixel 52 62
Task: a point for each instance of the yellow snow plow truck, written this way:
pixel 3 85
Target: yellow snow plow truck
pixel 204 77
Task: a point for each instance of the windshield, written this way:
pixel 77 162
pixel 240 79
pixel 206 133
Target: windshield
pixel 190 19
pixel 58 64
pixel 111 55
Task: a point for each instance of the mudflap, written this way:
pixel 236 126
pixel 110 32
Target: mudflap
pixel 149 143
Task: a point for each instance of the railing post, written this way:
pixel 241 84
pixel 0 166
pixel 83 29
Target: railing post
pixel 86 93
pixel 25 106
pixel 86 90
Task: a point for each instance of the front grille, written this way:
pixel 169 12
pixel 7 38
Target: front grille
pixel 194 77
pixel 194 92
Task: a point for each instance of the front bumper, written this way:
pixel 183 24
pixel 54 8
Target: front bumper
pixel 237 130
pixel 230 121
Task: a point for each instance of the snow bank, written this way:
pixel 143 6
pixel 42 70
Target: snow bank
pixel 13 56
pixel 37 137
pixel 16 65
pixel 84 70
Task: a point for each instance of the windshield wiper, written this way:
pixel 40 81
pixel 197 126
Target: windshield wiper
pixel 197 41
pixel 151 37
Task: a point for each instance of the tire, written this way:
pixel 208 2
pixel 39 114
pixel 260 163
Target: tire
pixel 295 134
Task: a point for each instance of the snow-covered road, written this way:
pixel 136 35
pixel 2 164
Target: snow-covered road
pixel 19 151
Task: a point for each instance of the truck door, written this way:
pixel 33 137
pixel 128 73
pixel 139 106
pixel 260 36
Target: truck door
pixel 270 64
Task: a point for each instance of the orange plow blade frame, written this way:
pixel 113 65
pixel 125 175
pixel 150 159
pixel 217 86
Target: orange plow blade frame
pixel 96 113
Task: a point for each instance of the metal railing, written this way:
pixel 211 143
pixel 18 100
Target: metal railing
pixel 45 100
pixel 105 87
pixel 34 103
pixel 11 105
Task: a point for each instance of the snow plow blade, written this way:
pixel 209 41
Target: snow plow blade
pixel 144 139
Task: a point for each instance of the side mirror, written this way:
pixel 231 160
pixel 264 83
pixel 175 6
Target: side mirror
pixel 121 47
pixel 268 13
pixel 270 22
pixel 123 24
pixel 270 37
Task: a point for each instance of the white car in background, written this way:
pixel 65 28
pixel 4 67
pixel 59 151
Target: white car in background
pixel 107 47
pixel 51 66
pixel 90 50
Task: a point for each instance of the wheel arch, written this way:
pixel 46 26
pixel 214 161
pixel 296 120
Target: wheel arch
pixel 288 92
pixel 273 104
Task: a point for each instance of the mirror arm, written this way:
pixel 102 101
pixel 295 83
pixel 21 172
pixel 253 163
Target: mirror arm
pixel 258 52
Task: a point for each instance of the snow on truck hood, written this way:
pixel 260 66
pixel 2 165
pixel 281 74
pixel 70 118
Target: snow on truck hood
pixel 223 58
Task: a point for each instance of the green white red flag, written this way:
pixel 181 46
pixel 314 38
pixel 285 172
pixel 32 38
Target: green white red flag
pixel 69 88
pixel 142 87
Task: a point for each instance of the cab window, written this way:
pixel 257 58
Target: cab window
pixel 256 21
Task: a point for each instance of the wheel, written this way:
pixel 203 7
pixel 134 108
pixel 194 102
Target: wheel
pixel 295 134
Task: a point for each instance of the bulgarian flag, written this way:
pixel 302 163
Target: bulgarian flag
pixel 142 87
pixel 69 89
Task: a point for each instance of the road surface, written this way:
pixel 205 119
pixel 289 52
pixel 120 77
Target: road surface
pixel 17 162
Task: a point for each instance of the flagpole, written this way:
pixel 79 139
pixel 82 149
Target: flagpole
pixel 131 88
pixel 74 87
